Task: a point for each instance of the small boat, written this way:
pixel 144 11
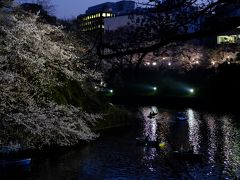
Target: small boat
pixel 152 115
pixel 187 156
pixel 181 116
pixel 15 162
pixel 145 142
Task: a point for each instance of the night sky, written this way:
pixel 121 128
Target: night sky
pixel 72 8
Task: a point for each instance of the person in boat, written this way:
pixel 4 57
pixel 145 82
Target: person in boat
pixel 152 114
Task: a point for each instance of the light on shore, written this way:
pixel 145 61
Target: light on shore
pixel 191 90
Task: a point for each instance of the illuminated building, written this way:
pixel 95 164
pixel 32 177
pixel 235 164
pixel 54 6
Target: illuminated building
pixel 231 37
pixel 95 21
pixel 95 15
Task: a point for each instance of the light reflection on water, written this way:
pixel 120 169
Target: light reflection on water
pixel 215 136
pixel 150 124
pixel 116 156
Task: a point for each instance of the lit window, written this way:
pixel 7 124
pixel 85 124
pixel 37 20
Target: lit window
pixel 227 39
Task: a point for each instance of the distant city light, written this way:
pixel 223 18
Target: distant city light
pixel 148 63
pixel 169 64
pixel 154 63
pixel 164 58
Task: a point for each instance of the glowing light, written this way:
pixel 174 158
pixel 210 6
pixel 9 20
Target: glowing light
pixel 154 63
pixel 154 88
pixel 111 91
pixel 169 64
pixel 197 62
pixel 191 90
pixel 213 63
pixel 148 63
pixel 228 62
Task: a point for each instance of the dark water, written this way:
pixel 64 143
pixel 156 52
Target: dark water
pixel 116 156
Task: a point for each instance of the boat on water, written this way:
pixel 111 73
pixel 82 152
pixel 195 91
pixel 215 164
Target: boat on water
pixel 15 162
pixel 145 142
pixel 181 116
pixel 151 115
pixel 148 143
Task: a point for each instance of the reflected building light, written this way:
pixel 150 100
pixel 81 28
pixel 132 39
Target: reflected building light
pixel 228 144
pixel 194 132
pixel 150 125
pixel 148 157
pixel 212 141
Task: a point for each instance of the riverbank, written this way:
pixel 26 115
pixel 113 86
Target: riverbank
pixel 116 118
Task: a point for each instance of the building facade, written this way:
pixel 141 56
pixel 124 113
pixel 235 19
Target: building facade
pixel 232 36
pixel 95 15
pixel 94 21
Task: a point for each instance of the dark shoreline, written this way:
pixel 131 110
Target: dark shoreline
pixel 207 103
pixel 55 149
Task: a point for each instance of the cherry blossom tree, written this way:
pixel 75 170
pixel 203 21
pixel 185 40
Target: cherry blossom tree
pixel 37 58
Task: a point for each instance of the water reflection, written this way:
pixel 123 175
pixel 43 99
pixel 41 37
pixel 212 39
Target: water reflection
pixel 194 131
pixel 150 124
pixel 116 156
pixel 209 134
